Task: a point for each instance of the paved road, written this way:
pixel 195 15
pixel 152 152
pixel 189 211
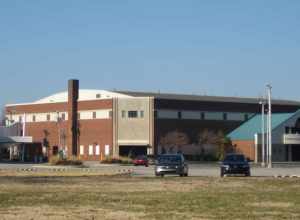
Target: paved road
pixel 214 171
pixel 211 170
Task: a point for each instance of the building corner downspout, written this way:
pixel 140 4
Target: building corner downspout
pixel 256 148
pixel 115 150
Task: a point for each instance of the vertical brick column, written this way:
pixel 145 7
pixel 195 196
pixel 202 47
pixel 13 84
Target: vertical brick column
pixel 73 93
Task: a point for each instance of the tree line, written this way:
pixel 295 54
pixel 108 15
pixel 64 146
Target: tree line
pixel 175 140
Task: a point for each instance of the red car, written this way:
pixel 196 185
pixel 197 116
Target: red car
pixel 141 161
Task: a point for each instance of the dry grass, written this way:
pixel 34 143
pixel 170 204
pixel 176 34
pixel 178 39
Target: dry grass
pixel 125 197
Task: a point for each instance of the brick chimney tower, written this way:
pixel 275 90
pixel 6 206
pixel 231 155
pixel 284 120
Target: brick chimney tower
pixel 73 95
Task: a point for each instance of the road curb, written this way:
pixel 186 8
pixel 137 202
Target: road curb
pixel 286 176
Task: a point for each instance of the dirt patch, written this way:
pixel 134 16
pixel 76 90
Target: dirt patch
pixel 271 204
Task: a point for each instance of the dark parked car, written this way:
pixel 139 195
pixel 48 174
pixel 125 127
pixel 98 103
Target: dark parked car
pixel 141 161
pixel 235 164
pixel 171 164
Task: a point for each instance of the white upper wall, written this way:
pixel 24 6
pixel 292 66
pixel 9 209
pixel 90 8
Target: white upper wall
pixel 84 95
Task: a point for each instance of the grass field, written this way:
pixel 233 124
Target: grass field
pixel 125 197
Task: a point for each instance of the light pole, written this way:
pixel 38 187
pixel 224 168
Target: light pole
pixel 262 103
pixel 269 91
pixel 58 128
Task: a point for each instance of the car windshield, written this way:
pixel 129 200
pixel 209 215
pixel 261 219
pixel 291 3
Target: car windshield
pixel 235 158
pixel 169 159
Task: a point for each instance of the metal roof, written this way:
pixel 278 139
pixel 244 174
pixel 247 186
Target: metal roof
pixel 253 126
pixel 205 98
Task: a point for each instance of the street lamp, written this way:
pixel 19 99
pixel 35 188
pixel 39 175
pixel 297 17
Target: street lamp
pixel 269 92
pixel 263 157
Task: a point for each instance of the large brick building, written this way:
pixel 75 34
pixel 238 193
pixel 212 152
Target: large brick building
pixel 118 122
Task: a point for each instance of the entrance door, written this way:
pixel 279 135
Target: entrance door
pixel 296 152
pixel 132 151
pixel 4 153
pixel 55 150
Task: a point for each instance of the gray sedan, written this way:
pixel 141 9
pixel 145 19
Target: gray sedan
pixel 171 164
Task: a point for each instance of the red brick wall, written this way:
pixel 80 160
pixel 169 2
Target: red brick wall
pixel 246 147
pixel 53 107
pixel 93 132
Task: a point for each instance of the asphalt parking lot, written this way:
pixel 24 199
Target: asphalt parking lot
pixel 209 170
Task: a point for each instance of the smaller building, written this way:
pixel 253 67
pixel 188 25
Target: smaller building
pixel 14 145
pixel 247 139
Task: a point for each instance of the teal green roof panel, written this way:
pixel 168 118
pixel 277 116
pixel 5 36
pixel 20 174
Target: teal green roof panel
pixel 247 130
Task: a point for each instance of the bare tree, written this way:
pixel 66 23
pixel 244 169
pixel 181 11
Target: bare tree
pixel 224 145
pixel 207 137
pixel 174 139
pixel 218 139
pixel 2 117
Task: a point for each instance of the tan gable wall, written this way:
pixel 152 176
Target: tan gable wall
pixel 134 131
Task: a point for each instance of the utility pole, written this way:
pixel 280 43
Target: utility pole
pixel 269 91
pixel 263 157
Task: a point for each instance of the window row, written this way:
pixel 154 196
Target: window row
pixel 61 116
pixel 231 116
pixel 94 150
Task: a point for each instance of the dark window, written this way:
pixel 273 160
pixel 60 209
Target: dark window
pixel 33 118
pixel 78 116
pixel 98 96
pixel 94 115
pixel 110 114
pixel 48 117
pixel 142 114
pixel 63 116
pixel 20 119
pixel 225 116
pixel 246 117
pixel 202 115
pixel 179 114
pixel 287 130
pixel 155 114
pixel 132 114
pixel 298 123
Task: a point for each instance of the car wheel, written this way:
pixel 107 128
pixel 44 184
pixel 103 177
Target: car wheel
pixel 146 165
pixel 186 174
pixel 247 174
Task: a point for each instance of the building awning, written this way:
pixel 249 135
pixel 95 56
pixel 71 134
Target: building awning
pixel 16 139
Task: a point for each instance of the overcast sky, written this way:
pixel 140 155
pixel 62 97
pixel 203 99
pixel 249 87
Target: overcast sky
pixel 227 48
